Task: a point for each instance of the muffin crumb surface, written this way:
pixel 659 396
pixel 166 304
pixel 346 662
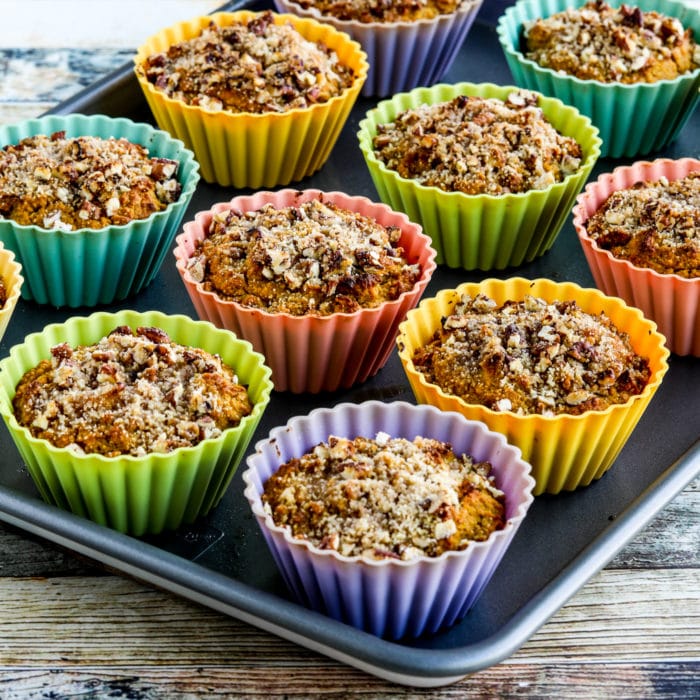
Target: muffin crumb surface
pixel 478 145
pixel 385 498
pixel 132 393
pixel 367 11
pixel 532 357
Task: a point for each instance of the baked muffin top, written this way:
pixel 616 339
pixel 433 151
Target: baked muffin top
pixel 314 258
pixel 608 44
pixel 385 498
pixel 3 294
pixel 131 393
pixel 653 224
pixel 478 145
pixel 253 67
pixel 532 357
pixel 368 11
pixel 59 182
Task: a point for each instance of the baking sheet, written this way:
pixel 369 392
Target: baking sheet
pixel 222 561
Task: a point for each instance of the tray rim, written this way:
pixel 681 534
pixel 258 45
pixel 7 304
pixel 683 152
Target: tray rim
pixel 416 667
pixel 413 666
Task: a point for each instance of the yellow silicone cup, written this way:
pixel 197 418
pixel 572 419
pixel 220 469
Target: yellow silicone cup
pixel 566 452
pixel 11 276
pixel 481 232
pixel 255 150
pixel 136 495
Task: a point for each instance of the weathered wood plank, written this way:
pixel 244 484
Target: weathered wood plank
pixel 676 681
pixel 640 616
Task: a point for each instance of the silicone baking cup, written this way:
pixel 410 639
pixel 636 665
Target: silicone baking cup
pixel 566 452
pixel 660 109
pixel 255 150
pixel 312 353
pixel 673 302
pixel 481 232
pixel 11 276
pixel 136 495
pixel 88 267
pixel 401 55
pixel 389 598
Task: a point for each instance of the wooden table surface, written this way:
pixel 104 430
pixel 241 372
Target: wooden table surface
pixel 69 628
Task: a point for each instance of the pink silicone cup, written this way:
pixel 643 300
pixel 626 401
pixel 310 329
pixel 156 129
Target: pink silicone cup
pixel 389 598
pixel 312 353
pixel 401 55
pixel 671 301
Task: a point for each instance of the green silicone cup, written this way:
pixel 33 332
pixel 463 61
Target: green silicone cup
pixel 136 495
pixel 88 267
pixel 481 232
pixel 660 109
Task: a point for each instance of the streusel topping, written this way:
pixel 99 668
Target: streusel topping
pixel 314 258
pixel 254 67
pixel 612 44
pixel 132 393
pixel 478 145
pixel 653 224
pixel 57 182
pixel 385 497
pixel 368 11
pixel 532 357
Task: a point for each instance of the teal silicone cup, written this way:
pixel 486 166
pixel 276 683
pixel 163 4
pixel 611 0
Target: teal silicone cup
pixel 89 267
pixel 136 495
pixel 481 232
pixel 633 119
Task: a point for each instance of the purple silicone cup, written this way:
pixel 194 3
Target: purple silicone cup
pixel 389 598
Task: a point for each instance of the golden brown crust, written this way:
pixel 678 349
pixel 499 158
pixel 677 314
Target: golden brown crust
pixel 532 357
pixel 385 498
pixel 57 182
pixel 314 258
pixel 622 44
pixel 478 145
pixel 368 11
pixel 654 225
pixel 130 393
pixel 254 67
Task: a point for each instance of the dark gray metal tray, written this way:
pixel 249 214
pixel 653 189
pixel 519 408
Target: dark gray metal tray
pixel 222 561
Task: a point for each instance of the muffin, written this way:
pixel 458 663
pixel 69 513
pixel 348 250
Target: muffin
pixel 407 44
pixel 638 227
pixel 90 204
pixel 563 372
pixel 455 159
pixel 11 281
pixel 136 421
pixel 462 493
pixel 266 119
pixel 638 58
pixel 317 281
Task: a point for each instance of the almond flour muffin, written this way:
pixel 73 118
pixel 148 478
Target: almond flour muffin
pixel 311 258
pixel 378 11
pixel 385 497
pixel 612 44
pixel 69 183
pixel 131 393
pixel 249 67
pixel 478 145
pixel 532 356
pixel 653 224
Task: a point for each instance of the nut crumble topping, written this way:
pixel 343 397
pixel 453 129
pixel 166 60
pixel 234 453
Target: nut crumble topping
pixel 84 182
pixel 624 44
pixel 532 357
pixel 653 224
pixel 256 68
pixel 368 11
pixel 3 294
pixel 385 497
pixel 478 145
pixel 131 393
pixel 315 258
